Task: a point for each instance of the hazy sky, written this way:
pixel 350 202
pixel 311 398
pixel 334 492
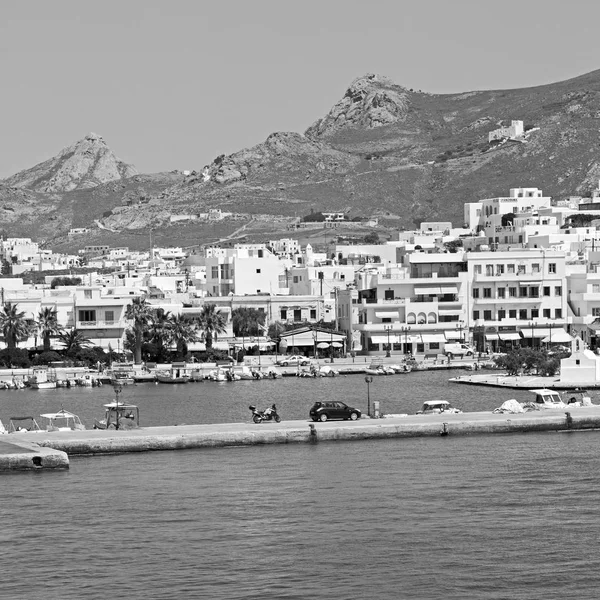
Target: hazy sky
pixel 172 84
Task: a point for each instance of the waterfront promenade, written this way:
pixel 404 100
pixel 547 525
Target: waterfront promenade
pixel 99 442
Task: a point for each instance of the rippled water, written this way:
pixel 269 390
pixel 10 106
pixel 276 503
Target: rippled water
pixel 487 517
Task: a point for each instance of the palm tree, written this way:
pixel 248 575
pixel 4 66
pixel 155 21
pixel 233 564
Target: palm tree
pixel 183 332
pixel 247 322
pixel 140 312
pixel 74 340
pixel 160 332
pixel 211 323
pixel 13 325
pixel 47 325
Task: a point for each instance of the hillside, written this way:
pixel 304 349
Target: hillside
pixel 381 149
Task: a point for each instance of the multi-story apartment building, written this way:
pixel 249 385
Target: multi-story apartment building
pixel 518 295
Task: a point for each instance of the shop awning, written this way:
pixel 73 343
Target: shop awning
pixel 380 339
pixel 445 312
pixel 449 289
pixel 506 336
pixel 433 338
pixel 530 283
pixel 428 291
pixel 491 337
pixel 387 315
pixel 558 336
pixel 536 332
pixel 453 334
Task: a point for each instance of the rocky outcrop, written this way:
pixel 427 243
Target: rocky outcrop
pixel 87 163
pixel 370 101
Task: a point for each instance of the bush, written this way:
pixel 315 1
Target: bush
pixel 14 358
pixel 45 358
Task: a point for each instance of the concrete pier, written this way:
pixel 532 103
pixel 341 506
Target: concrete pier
pixel 23 455
pixel 91 442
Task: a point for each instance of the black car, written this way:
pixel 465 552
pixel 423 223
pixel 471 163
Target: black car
pixel 333 409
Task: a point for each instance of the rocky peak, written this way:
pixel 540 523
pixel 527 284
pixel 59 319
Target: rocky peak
pixel 370 101
pixel 85 164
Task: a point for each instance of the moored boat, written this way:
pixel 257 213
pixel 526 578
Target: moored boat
pixel 63 420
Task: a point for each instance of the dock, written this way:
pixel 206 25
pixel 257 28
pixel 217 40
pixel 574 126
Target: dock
pixel 179 437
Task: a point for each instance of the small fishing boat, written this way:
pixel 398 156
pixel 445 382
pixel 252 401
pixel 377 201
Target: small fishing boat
pixel 63 420
pixel 39 380
pixel 121 378
pixel 22 425
pixel 173 376
pixel 119 415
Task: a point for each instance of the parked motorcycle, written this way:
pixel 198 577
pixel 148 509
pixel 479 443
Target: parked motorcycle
pixel 269 414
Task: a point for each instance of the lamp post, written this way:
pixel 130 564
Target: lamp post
pixel 387 352
pixel 331 343
pixel 368 380
pixel 459 326
pixel 405 330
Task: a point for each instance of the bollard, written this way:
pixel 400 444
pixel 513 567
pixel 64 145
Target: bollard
pixel 445 430
pixel 569 421
pixel 313 433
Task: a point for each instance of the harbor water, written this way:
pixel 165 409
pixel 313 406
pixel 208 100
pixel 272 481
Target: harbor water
pixel 486 517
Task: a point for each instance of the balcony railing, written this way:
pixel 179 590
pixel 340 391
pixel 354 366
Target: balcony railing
pixel 99 324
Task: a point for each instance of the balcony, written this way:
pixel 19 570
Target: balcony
pixel 100 324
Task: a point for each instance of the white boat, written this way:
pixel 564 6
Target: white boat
pixel 545 398
pixel 246 373
pixel 39 380
pixel 63 420
pixel 217 375
pixel 23 425
pixel 436 407
pixel 88 380
pixel 119 415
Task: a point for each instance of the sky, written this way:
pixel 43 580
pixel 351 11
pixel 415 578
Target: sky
pixel 172 84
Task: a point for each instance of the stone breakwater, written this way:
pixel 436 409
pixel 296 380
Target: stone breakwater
pixel 91 442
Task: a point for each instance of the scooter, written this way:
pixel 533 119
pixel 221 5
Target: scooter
pixel 269 414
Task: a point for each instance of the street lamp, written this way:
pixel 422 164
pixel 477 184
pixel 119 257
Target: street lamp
pixel 388 328
pixel 405 330
pixel 368 379
pixel 459 326
pixel 331 343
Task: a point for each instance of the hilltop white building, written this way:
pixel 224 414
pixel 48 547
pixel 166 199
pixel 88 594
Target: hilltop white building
pixel 514 130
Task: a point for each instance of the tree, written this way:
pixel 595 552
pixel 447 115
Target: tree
pixel 74 341
pixel 183 332
pixel 13 325
pixel 371 238
pixel 57 281
pixel 211 323
pixel 140 312
pixel 160 333
pixel 247 322
pixel 47 325
pixel 453 245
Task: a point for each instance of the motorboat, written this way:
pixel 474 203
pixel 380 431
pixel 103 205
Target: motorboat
pixel 121 378
pixel 436 407
pixel 172 377
pixel 144 377
pixel 63 420
pixel 39 380
pixel 246 373
pixel 119 415
pixel 22 425
pixel 400 369
pixel 545 398
pixel 88 380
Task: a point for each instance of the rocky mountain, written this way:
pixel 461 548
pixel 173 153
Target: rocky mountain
pixel 402 154
pixel 87 163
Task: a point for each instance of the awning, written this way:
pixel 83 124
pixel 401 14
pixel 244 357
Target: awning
pixel 387 315
pixel 428 291
pixel 491 337
pixel 509 335
pixel 536 332
pixel 449 289
pixel 445 312
pixel 380 339
pixel 453 335
pixel 337 345
pixel 558 336
pixel 530 283
pixel 433 338
pixel 323 345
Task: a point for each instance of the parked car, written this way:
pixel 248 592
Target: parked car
pixel 293 360
pixel 333 409
pixel 451 350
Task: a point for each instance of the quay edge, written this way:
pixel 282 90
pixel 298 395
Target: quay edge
pixel 20 455
pixel 92 442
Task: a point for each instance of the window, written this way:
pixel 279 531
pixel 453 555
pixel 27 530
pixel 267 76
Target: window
pixel 388 294
pixel 487 292
pixel 87 315
pixel 296 278
pixel 558 313
pixel 109 316
pixel 499 269
pixel 214 272
pixel 313 314
pixel 297 314
pixel 475 292
pixel 475 315
pixel 546 313
pixel 596 288
pixel 535 268
pixel 551 267
pixel 501 292
pixel 434 345
pixel 546 290
pixel 535 313
pixel 501 314
pixel 596 312
pixel 534 292
pixel 522 292
pixel 489 270
pixel 87 294
pixel 477 269
pixel 512 313
pixel 512 292
pixel 510 269
pixel 558 290
pixel 258 271
pixel 283 314
pixel 521 270
pixel 487 315
pixel 523 314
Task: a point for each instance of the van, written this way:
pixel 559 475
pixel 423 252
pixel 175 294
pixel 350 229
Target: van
pixel 457 349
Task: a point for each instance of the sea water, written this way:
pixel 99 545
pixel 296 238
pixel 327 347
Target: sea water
pixel 486 517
